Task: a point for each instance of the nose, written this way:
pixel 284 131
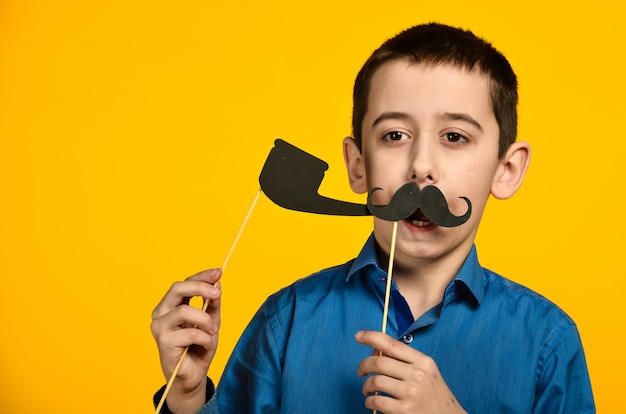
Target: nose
pixel 423 166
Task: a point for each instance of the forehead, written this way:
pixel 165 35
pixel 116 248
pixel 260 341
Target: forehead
pixel 421 88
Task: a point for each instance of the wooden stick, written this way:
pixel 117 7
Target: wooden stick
pixel 206 301
pixel 243 224
pixel 389 276
pixel 388 288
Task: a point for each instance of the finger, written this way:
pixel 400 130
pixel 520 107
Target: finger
pixel 184 316
pixel 209 276
pixel 382 403
pixel 384 365
pixel 387 395
pixel 213 309
pixel 396 395
pixel 388 346
pixel 200 284
pixel 382 383
pixel 185 337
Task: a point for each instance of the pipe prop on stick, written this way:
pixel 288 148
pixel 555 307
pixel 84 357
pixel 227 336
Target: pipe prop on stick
pixel 291 179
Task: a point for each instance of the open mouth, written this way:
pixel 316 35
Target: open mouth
pixel 418 219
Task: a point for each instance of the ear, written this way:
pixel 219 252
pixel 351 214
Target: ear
pixel 355 165
pixel 511 170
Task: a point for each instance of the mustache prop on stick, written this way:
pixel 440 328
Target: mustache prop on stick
pixel 291 178
pixel 408 198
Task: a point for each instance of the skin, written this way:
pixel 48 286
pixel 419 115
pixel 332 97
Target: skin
pixel 426 144
pixel 432 125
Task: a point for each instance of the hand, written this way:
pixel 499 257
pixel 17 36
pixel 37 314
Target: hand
pixel 176 325
pixel 410 379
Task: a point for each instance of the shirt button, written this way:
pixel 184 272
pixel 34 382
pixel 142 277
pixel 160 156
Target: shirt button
pixel 407 339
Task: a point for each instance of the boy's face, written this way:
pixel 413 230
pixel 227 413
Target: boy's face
pixel 433 126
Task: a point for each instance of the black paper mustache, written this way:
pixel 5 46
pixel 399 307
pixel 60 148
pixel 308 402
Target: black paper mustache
pixel 408 198
pixel 291 179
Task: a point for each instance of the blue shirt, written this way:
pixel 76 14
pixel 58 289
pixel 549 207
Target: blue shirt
pixel 500 347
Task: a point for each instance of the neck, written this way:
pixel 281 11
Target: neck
pixel 423 282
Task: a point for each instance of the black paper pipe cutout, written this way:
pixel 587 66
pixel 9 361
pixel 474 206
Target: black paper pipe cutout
pixel 291 178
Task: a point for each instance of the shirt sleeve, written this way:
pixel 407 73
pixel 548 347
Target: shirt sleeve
pixel 252 379
pixel 563 385
pixel 210 393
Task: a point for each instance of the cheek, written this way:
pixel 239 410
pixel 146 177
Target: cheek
pixel 476 186
pixel 385 172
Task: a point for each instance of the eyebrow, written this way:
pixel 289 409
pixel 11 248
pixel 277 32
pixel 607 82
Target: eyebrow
pixel 459 116
pixel 390 115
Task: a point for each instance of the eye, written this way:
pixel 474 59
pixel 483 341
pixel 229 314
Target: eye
pixel 454 137
pixel 395 136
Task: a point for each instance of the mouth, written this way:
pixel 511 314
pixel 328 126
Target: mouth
pixel 418 219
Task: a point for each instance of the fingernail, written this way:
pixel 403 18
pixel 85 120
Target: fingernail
pixel 359 335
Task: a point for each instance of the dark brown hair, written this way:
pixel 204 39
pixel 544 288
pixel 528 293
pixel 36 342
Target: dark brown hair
pixel 438 44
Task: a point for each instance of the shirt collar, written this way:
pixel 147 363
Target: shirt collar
pixel 471 274
pixel 367 257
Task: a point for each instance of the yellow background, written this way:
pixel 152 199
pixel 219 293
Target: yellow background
pixel 132 135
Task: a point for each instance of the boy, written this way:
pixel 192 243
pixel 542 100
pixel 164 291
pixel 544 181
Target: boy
pixel 434 105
